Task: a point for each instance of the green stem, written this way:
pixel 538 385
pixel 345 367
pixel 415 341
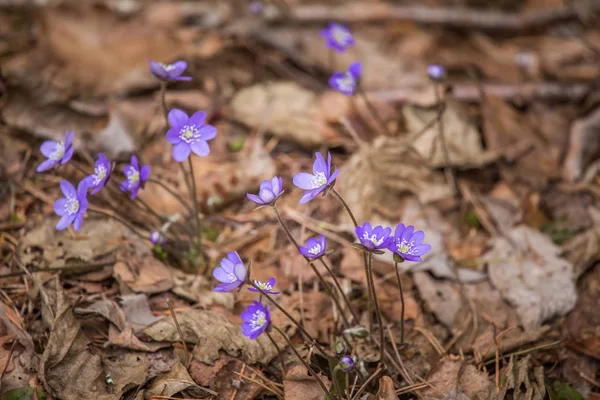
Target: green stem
pixel 401 303
pixel 308 367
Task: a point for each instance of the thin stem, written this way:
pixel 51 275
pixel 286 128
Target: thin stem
pixel 448 170
pixel 119 219
pixel 278 351
pixel 308 367
pixel 194 198
pixel 401 303
pixel 172 193
pixel 350 213
pixel 377 310
pixel 288 315
pixel 314 268
pixel 339 288
pixel 163 94
pixel 187 355
pixel 372 109
pixel 364 385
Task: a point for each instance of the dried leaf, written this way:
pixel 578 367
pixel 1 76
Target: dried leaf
pixel 173 382
pixel 211 332
pixel 198 289
pixel 584 146
pixel 529 274
pixel 137 311
pixel 298 385
pixel 454 380
pixel 139 271
pixel 386 389
pixel 524 383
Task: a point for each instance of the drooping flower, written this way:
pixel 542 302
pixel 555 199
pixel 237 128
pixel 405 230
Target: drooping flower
pixel 101 175
pixel 256 319
pixel 346 364
pixel 408 244
pixel 373 238
pixel 337 37
pixel 346 82
pixel 268 192
pixel 56 152
pixel 189 134
pixel 436 72
pixel 73 206
pixel 169 72
pixel 320 179
pixel 266 287
pixel 158 237
pixel 314 248
pixel 136 177
pixel 231 273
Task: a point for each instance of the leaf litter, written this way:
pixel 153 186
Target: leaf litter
pixel 502 307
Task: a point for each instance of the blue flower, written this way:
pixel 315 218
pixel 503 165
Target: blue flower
pixel 72 207
pixel 337 37
pixel 256 319
pixel 436 72
pixel 157 237
pixel 346 82
pixel 314 248
pixel 136 177
pixel 101 175
pixel 266 287
pixel 56 152
pixel 169 72
pixel 231 272
pixel 346 364
pixel 189 134
pixel 373 238
pixel 268 192
pixel 320 179
pixel 408 244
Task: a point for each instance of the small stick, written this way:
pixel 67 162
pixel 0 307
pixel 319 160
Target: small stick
pixel 364 385
pixel 12 349
pixel 187 356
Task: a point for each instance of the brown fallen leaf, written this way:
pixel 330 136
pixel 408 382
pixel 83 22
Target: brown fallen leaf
pixel 231 386
pixel 137 311
pixel 463 381
pixel 317 312
pixel 584 146
pixel 137 270
pixel 175 381
pixel 198 289
pixel 523 378
pixel 298 385
pixel 386 389
pixel 211 332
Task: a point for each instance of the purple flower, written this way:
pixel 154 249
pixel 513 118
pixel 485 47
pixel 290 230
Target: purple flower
pixel 337 37
pixel 314 248
pixel 135 177
pixel 189 134
pixel 345 82
pixel 408 244
pixel 346 364
pixel 265 286
pixel 373 238
pixel 318 181
pixel 436 72
pixel 169 72
pixel 256 7
pixel 101 174
pixel 56 152
pixel 72 207
pixel 268 192
pixel 157 237
pixel 256 319
pixel 231 273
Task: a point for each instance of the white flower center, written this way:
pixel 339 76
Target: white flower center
pixel 347 83
pixel 405 247
pixel 315 249
pixel 59 151
pixel 341 36
pixel 100 174
pixel 189 133
pixel 72 205
pixel 231 277
pixel 265 286
pixel 319 179
pixel 373 239
pixel 133 176
pixel 258 320
pixel 167 67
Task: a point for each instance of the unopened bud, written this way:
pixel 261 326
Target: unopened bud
pixel 346 364
pixel 358 331
pixel 339 348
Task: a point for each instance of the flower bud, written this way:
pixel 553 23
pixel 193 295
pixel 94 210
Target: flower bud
pixel 339 348
pixel 157 237
pixel 346 364
pixel 358 331
pixel 436 72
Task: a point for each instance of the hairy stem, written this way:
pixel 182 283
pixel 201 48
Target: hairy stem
pixel 401 303
pixel 339 288
pixel 278 351
pixel 194 199
pixel 377 310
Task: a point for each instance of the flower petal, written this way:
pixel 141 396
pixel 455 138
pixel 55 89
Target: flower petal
pixel 78 222
pixel 182 78
pixel 68 155
pixel 417 238
pixel 200 147
pixel 276 185
pixel 227 265
pixel 177 117
pixel 333 176
pixel 407 234
pixel 319 165
pixel 399 231
pixel 174 135
pixel 178 68
pixel 67 189
pixel 422 249
pixel 48 147
pixel 308 196
pixel 234 257
pixel 208 132
pixel 221 275
pixel 266 195
pixel 255 199
pixel 69 138
pixel 181 151
pixel 240 272
pixel 144 173
pixel 60 207
pixel 134 162
pixel 355 69
pixel 64 222
pixel 157 69
pixel 197 118
pixel 46 165
pixel 303 180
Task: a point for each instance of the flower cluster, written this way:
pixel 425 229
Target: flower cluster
pixel 339 38
pixel 405 242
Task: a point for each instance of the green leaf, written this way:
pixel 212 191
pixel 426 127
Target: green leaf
pixel 563 391
pixel 23 394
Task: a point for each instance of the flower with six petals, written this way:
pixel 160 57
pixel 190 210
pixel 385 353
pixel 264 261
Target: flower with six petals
pixel 189 134
pixel 314 248
pixel 320 179
pixel 266 287
pixel 73 206
pixel 56 152
pixel 337 37
pixel 373 238
pixel 268 192
pixel 256 320
pixel 408 244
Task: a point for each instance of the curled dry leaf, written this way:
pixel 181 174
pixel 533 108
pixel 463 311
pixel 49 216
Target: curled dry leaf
pixel 386 389
pixel 298 385
pixel 294 113
pixel 211 332
pixel 175 381
pixel 451 378
pixel 526 268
